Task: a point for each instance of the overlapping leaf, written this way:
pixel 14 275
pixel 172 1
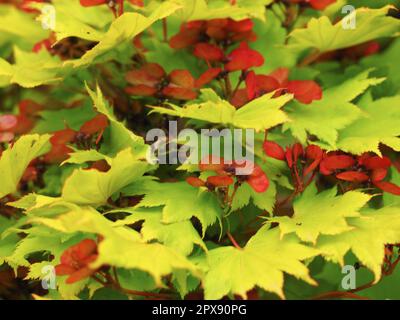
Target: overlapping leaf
pixel 261 263
pixel 323 213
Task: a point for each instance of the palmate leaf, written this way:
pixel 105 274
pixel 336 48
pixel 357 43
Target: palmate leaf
pixel 271 47
pixel 379 124
pixel 75 20
pixel 43 69
pixel 118 137
pixel 92 187
pixel 259 114
pixel 181 202
pixel 206 10
pixel 20 24
pixel 261 263
pixel 121 247
pixel 335 111
pixel 180 236
pixel 321 35
pixel 264 200
pixel 323 213
pixel 366 240
pixel 124 29
pixel 16 159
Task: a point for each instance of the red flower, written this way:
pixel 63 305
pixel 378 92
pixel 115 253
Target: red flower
pixel 151 80
pixel 305 91
pixel 244 58
pixel 75 261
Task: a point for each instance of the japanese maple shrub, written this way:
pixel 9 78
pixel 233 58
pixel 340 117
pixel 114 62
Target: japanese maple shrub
pixel 84 211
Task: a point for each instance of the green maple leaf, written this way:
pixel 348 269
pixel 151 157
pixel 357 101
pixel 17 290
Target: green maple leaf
pixel 323 213
pixel 124 29
pixel 75 20
pixel 92 187
pixel 206 10
pixel 335 111
pixel 323 36
pixel 264 200
pixel 259 114
pixel 118 137
pixel 156 259
pixel 366 240
pixel 181 236
pixel 363 134
pixel 19 24
pixel 43 69
pixel 261 263
pixel 274 36
pixel 16 159
pixel 181 201
pixel 121 247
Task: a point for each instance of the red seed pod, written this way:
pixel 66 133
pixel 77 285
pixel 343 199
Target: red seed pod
pixel 379 174
pixel 388 187
pixel 209 52
pixel 258 180
pixel 305 91
pixel 244 58
pixel 207 77
pixel 353 176
pixel 274 150
pixel 220 181
pixel 297 151
pixel 336 162
pixel 195 182
pixel 97 124
pixel 212 163
pixel 376 162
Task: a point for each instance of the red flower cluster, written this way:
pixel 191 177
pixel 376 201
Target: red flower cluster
pixel 75 261
pixel 93 128
pixel 304 91
pixel 152 80
pixel 257 179
pixel 223 32
pixel 366 168
pixel 303 163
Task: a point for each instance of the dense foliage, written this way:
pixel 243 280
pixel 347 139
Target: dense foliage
pixel 80 93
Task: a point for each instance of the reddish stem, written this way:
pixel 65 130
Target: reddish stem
pixel 235 244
